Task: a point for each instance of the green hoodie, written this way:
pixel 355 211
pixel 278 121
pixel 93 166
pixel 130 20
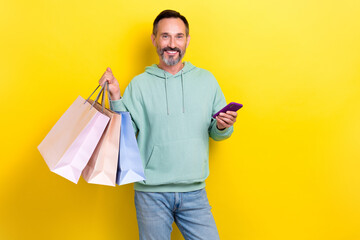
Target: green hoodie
pixel 172 115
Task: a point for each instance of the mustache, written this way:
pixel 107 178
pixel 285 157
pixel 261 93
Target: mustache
pixel 170 49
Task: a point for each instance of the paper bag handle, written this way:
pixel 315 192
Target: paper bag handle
pixel 98 96
pixel 107 88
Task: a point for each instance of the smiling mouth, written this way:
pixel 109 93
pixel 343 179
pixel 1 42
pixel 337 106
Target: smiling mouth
pixel 171 52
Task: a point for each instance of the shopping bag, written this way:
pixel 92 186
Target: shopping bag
pixel 102 166
pixel 130 167
pixel 69 145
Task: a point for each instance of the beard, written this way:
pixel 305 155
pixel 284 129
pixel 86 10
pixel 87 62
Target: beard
pixel 171 60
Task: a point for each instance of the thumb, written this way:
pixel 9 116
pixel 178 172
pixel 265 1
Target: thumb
pixel 109 69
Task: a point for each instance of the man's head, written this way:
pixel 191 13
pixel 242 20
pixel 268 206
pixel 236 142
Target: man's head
pixel 169 14
pixel 170 36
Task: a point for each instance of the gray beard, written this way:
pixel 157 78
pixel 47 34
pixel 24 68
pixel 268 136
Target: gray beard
pixel 171 61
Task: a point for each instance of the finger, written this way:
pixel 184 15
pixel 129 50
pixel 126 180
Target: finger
pixel 106 77
pixel 228 116
pixel 109 77
pixel 232 113
pixel 109 70
pixel 222 123
pixel 227 120
pixel 103 78
pixel 102 81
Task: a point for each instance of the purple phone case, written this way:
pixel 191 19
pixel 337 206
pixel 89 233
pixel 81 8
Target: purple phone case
pixel 233 106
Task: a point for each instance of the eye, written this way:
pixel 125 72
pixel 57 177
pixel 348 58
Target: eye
pixel 165 36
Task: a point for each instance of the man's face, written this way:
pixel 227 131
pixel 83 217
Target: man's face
pixel 171 41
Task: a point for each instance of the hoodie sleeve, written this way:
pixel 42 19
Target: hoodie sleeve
pixel 130 102
pixel 219 103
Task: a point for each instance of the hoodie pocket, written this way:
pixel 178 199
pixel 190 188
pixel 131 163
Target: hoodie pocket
pixel 182 161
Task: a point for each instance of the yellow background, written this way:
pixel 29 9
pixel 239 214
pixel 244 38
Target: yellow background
pixel 291 169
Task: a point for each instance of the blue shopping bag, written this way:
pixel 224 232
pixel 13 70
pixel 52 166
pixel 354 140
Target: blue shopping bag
pixel 130 167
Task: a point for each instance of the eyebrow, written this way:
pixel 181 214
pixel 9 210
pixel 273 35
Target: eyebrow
pixel 166 33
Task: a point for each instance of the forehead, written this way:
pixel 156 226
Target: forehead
pixel 171 26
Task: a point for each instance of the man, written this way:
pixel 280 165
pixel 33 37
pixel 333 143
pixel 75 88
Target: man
pixel 171 105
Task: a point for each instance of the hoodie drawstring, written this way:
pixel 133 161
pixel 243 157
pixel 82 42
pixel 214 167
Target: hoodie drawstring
pixel 182 89
pixel 182 93
pixel 167 104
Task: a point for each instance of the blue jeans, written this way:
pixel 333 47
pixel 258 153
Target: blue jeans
pixel 156 211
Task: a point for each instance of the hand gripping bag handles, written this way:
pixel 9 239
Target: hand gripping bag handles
pixel 130 167
pixel 69 145
pixel 101 169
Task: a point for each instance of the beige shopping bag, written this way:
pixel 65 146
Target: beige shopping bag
pixel 69 145
pixel 102 166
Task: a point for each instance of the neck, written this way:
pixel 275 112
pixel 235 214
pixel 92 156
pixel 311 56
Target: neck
pixel 171 69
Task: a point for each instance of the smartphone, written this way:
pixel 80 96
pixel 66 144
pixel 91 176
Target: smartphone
pixel 233 106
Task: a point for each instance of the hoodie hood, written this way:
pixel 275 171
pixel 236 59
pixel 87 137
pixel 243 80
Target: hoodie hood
pixel 164 75
pixel 156 71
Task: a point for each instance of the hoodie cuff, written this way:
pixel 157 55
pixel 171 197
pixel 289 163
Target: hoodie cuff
pixel 222 132
pixel 219 135
pixel 117 105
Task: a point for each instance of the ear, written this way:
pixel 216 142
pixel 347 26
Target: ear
pixel 187 41
pixel 153 39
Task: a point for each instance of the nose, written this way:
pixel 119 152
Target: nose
pixel 172 42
